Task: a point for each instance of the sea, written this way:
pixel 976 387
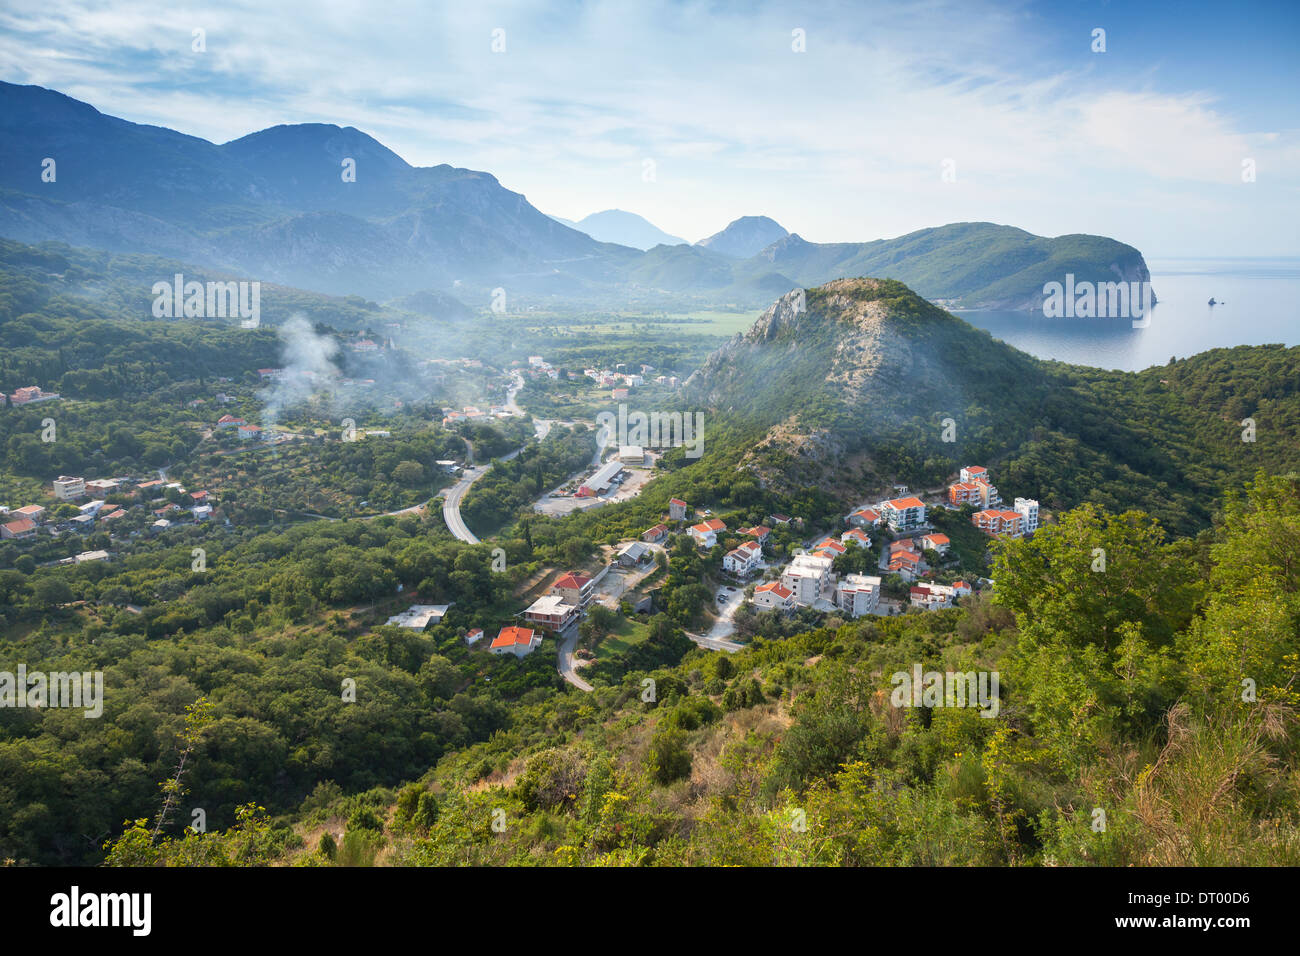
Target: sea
pixel 1258 304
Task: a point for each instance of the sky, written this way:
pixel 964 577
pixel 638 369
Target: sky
pixel 843 122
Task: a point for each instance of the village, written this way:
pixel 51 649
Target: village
pixel 913 555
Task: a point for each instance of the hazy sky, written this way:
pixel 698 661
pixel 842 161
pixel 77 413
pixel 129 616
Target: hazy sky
pixel 846 140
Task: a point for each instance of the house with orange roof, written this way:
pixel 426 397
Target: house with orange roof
pixel 773 595
pixel 935 542
pixel 706 532
pixel 903 514
pixel 744 559
pixel 864 518
pixel 20 529
pixel 33 513
pixel 856 536
pixel 656 534
pixel 519 641
pixel 759 532
pixel 906 564
pixel 575 588
pixel 999 523
pixel 676 509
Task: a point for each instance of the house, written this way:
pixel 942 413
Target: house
pixel 619 393
pixel 1027 508
pixel 829 547
pixel 199 497
pixel 103 487
pixel 91 508
pixel 856 536
pixel 33 513
pixel 903 514
pixel 473 636
pixel 931 597
pixel 249 432
pixel 575 587
pixel 974 473
pixel 935 542
pixel 633 553
pixel 67 488
pixel 631 454
pixel 978 493
pixel 91 556
pixel 865 518
pixel 744 559
pixel 759 532
pixel 419 616
pixel 656 534
pixel 230 421
pixel 162 524
pixel 30 394
pixel 906 564
pixel 809 576
pixel 20 529
pixel 519 641
pixel 857 594
pixel 201 512
pixel 107 516
pixel 706 532
pixel 550 610
pixel 676 509
pixel 773 594
pixel 779 519
pixel 270 373
pixel 999 523
pixel 365 345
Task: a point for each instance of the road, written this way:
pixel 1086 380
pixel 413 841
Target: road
pixel 564 663
pixel 715 644
pixel 451 504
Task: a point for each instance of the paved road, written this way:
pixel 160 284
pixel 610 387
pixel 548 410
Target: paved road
pixel 451 504
pixel 715 644
pixel 564 663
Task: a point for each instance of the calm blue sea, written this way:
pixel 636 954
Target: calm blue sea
pixel 1260 305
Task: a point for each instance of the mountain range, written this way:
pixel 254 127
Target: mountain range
pixel 331 209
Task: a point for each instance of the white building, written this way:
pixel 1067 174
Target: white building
pixel 1027 508
pixel 903 514
pixel 773 595
pixel 857 594
pixel 550 610
pixel 519 641
pixel 706 532
pixel 744 559
pixel 67 488
pixel 419 616
pixel 809 577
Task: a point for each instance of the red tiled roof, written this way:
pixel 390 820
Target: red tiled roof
pixel 775 588
pixel 902 504
pixel 574 579
pixel 513 636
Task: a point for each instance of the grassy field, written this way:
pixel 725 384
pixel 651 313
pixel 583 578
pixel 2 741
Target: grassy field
pixel 624 635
